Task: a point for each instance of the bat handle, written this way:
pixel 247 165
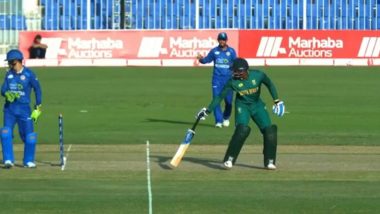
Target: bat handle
pixel 196 123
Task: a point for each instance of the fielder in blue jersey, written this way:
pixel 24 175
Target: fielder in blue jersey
pixel 18 84
pixel 222 56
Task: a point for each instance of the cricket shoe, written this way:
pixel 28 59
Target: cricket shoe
pixel 227 165
pixel 30 165
pixel 271 165
pixel 218 125
pixel 226 123
pixel 8 164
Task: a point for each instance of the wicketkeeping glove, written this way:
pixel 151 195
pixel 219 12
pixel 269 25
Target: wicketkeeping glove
pixel 36 113
pixel 279 108
pixel 202 114
pixel 10 96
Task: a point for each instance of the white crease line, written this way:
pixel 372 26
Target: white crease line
pixel 66 157
pixel 148 177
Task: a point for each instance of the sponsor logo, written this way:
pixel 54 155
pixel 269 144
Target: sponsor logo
pixel 78 48
pixel 190 47
pixel 241 85
pixel 254 82
pixel 217 52
pixel 151 47
pixel 369 47
pixel 298 47
pixel 178 47
pixel 270 47
pixel 10 76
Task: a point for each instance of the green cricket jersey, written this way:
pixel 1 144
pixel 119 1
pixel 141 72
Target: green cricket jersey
pixel 247 91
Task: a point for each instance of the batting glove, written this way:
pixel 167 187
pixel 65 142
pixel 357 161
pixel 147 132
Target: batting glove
pixel 11 96
pixel 202 114
pixel 36 113
pixel 279 108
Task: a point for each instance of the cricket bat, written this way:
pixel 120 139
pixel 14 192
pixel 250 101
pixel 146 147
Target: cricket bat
pixel 176 160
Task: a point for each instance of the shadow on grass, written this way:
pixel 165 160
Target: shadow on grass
pixel 163 162
pixel 49 163
pixel 249 166
pixel 153 120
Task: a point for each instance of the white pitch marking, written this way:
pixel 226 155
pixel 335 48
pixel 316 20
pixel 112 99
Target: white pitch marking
pixel 66 157
pixel 148 177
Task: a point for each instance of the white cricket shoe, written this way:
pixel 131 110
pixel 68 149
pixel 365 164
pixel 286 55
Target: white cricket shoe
pixel 271 165
pixel 218 125
pixel 8 164
pixel 30 165
pixel 226 123
pixel 227 164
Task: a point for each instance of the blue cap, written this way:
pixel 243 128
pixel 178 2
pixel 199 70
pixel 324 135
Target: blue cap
pixel 222 36
pixel 14 55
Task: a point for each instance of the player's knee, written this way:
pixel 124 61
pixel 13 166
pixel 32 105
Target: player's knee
pixel 31 138
pixel 270 132
pixel 242 130
pixel 6 133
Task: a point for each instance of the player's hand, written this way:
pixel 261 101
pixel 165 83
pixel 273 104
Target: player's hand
pixel 36 113
pixel 202 114
pixel 279 108
pixel 199 56
pixel 11 96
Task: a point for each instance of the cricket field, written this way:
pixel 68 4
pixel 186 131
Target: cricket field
pixel 328 153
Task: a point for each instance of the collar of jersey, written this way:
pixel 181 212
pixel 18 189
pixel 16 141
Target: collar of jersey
pixel 14 71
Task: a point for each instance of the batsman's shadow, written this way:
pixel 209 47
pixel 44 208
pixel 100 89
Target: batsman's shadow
pixel 163 162
pixel 249 166
pixel 153 120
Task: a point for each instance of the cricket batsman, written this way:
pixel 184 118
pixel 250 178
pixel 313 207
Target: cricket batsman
pixel 222 56
pixel 248 104
pixel 18 84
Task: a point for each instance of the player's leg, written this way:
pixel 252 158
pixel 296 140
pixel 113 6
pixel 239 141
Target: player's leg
pixel 25 125
pixel 269 131
pixel 270 146
pixel 241 133
pixel 7 138
pixel 227 109
pixel 228 104
pixel 216 90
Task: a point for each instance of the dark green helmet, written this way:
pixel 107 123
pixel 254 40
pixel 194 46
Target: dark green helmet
pixel 240 68
pixel 222 36
pixel 240 64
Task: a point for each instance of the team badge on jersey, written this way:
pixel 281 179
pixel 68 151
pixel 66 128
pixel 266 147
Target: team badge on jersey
pixel 22 77
pixel 254 82
pixel 228 54
pixel 241 85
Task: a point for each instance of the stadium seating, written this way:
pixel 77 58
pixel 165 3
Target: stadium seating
pixel 4 22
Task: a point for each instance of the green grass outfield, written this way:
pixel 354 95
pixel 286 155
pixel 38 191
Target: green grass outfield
pixel 328 145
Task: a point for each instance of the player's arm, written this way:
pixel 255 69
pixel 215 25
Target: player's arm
pixel 279 106
pixel 271 87
pixel 4 87
pixel 37 89
pixel 209 58
pixel 233 54
pixel 216 101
